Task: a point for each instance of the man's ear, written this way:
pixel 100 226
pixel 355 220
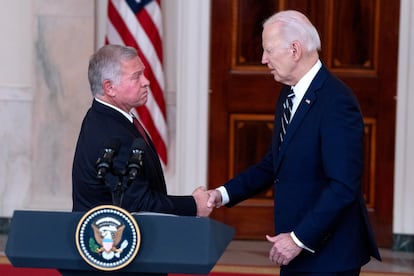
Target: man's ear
pixel 296 48
pixel 108 87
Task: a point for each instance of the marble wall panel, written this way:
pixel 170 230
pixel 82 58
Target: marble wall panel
pixel 15 149
pixel 63 43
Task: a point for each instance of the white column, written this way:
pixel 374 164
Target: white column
pixel 193 47
pixel 404 148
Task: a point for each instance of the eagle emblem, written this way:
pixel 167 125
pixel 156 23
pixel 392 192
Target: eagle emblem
pixel 108 238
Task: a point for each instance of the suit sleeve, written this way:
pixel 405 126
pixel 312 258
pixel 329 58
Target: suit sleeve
pixel 252 181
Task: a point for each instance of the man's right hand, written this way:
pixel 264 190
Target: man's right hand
pixel 214 199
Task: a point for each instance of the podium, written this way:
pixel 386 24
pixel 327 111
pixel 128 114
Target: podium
pixel 169 244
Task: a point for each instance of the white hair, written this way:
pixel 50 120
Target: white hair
pixel 294 25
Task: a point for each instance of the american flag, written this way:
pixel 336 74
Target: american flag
pixel 137 23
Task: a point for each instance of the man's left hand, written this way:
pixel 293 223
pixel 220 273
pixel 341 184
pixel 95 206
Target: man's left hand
pixel 284 249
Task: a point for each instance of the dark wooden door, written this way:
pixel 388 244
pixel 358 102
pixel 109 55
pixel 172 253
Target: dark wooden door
pixel 359 44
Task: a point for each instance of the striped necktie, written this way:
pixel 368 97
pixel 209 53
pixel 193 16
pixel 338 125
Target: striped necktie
pixel 287 110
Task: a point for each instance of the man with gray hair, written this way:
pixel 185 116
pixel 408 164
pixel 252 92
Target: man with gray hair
pixel 118 84
pixel 315 161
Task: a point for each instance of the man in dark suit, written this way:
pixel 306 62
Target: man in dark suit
pixel 315 161
pixel 118 84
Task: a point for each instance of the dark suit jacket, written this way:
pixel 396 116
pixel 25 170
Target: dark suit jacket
pixel 147 193
pixel 317 178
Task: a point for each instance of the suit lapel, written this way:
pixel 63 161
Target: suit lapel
pixel 308 100
pixel 305 105
pixel 150 150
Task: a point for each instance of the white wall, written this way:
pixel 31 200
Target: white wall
pixel 16 32
pixel 16 73
pixel 43 96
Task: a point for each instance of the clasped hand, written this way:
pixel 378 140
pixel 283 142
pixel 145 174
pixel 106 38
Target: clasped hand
pixel 201 197
pixel 206 201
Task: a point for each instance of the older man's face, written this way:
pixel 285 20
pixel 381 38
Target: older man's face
pixel 277 55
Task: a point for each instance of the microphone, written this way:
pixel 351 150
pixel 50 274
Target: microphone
pixel 137 158
pixel 104 163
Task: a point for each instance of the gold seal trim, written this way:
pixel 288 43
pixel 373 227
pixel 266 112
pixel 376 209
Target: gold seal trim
pixel 82 245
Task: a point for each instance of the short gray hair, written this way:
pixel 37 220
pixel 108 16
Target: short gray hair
pixel 105 64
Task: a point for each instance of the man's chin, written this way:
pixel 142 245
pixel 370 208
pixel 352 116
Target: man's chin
pixel 275 76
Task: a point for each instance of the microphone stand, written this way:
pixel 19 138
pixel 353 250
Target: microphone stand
pixel 117 187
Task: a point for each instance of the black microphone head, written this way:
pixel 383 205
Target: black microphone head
pixel 104 163
pixel 139 144
pixel 135 162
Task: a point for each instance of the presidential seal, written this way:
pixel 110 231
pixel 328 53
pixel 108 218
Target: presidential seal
pixel 108 238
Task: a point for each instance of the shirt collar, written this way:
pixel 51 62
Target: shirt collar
pixel 127 115
pixel 303 84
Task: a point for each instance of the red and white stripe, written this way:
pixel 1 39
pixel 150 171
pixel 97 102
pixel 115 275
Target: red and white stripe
pixel 143 31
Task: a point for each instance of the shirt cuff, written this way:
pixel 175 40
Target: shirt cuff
pixel 224 195
pixel 299 243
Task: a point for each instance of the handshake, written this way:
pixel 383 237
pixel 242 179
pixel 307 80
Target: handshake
pixel 206 200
